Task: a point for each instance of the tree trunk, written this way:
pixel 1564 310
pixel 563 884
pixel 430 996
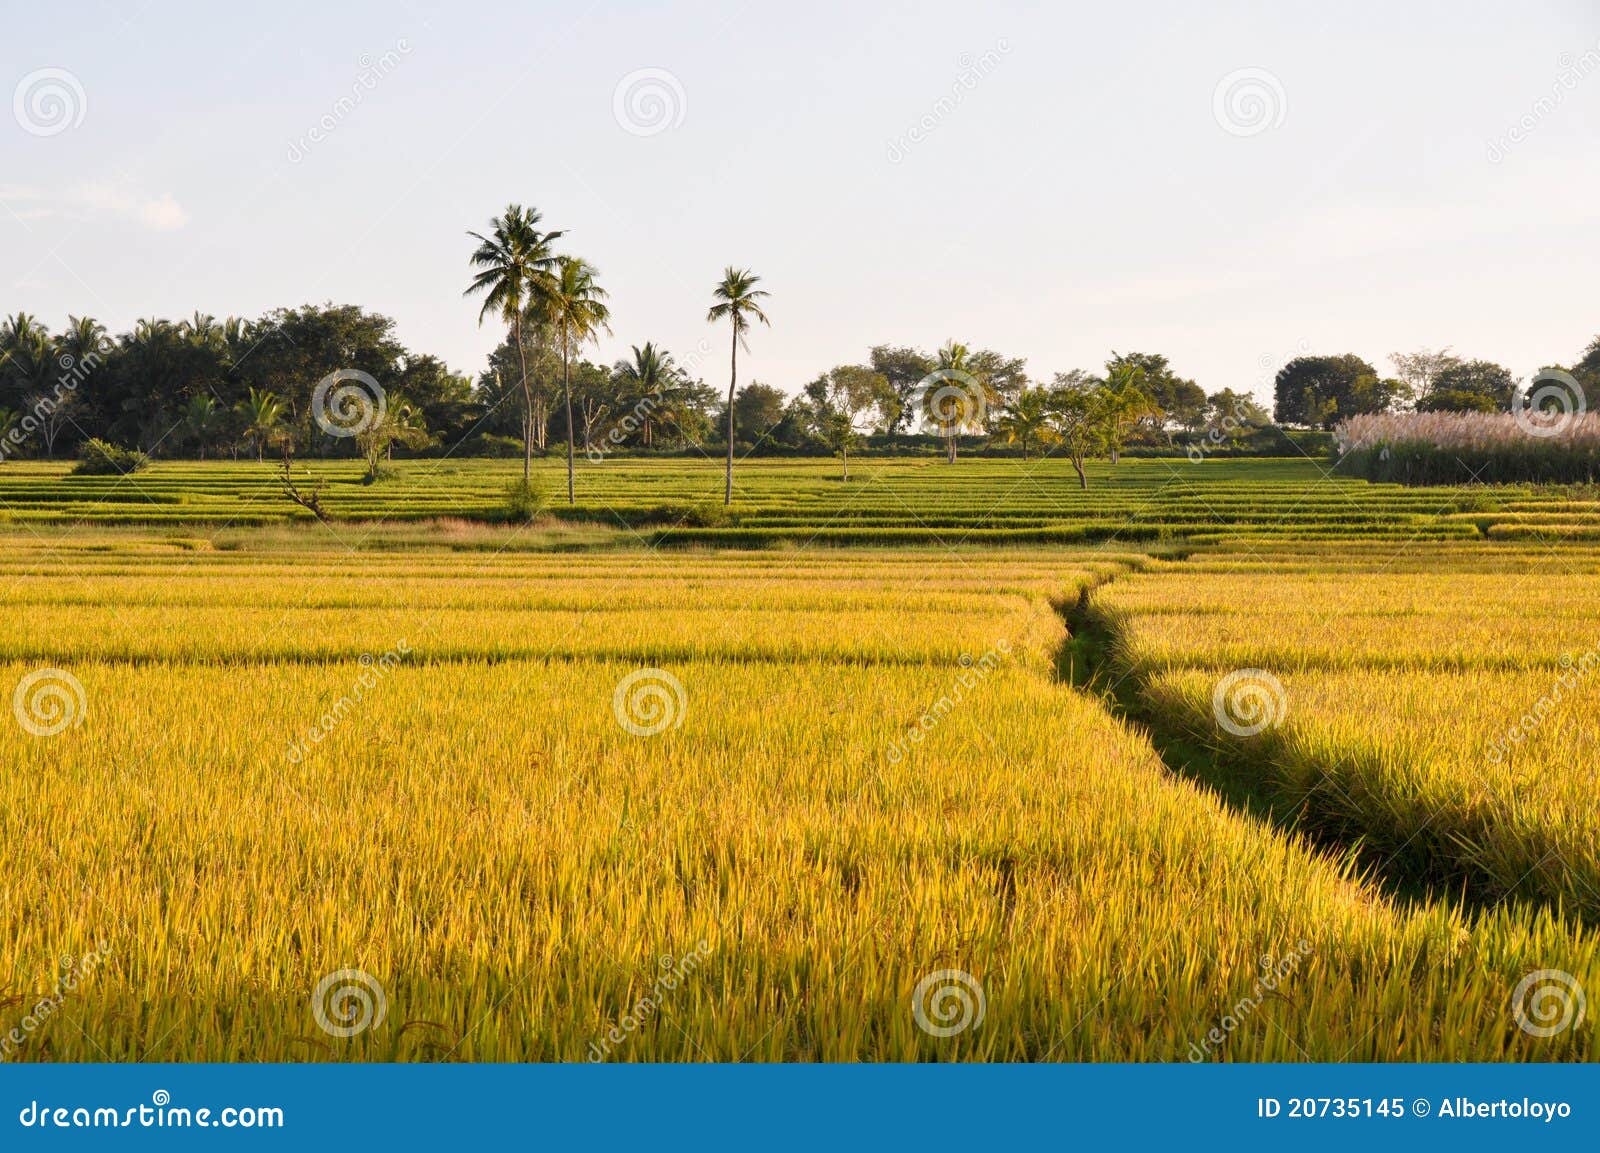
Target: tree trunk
pixel 527 399
pixel 951 442
pixel 727 490
pixel 1083 481
pixel 566 388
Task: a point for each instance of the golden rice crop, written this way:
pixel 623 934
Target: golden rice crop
pixel 735 858
pixel 1444 719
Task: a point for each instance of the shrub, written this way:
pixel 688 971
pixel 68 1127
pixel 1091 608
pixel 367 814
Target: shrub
pixel 100 458
pixel 526 500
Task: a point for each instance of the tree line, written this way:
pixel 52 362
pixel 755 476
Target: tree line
pixel 1321 391
pixel 201 387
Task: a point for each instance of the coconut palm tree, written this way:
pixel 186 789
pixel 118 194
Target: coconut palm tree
pixel 1125 404
pixel 263 419
pixel 576 304
pixel 515 264
pixel 960 397
pixel 1027 420
pixel 737 300
pixel 650 382
pixel 402 423
pixel 199 419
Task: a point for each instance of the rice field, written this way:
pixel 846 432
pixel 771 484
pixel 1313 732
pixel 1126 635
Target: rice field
pixel 1438 708
pixel 886 501
pixel 425 791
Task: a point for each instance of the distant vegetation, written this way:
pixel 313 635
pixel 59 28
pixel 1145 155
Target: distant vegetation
pixel 1457 447
pixel 331 381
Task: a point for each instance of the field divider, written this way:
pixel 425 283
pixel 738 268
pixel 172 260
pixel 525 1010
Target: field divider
pixel 1332 797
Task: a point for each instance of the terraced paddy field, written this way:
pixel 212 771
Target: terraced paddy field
pixel 447 796
pixel 885 501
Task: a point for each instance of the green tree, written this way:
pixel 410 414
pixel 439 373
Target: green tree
pixel 904 369
pixel 200 420
pixel 837 401
pixel 958 396
pixel 515 264
pixel 262 414
pixel 1469 386
pixel 1027 420
pixel 402 423
pixel 759 409
pixel 645 385
pixel 1322 390
pixel 577 309
pixel 1077 417
pixel 1174 398
pixel 1123 404
pixel 738 301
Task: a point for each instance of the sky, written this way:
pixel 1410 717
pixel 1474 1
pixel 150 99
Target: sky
pixel 1230 184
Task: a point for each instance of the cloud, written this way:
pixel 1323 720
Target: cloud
pixel 163 214
pixel 96 201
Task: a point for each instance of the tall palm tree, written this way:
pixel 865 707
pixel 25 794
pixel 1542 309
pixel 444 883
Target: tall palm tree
pixel 958 408
pixel 738 300
pixel 263 415
pixel 514 263
pixel 577 306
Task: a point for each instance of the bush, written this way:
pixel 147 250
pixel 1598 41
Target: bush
pixel 99 458
pixel 526 501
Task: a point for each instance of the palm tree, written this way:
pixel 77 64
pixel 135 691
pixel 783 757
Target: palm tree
pixel 650 381
pixel 263 415
pixel 514 264
pixel 402 423
pixel 959 407
pixel 737 300
pixel 577 306
pixel 1027 420
pixel 199 418
pixel 1126 403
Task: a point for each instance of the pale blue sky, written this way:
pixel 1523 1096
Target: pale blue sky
pixel 1080 196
